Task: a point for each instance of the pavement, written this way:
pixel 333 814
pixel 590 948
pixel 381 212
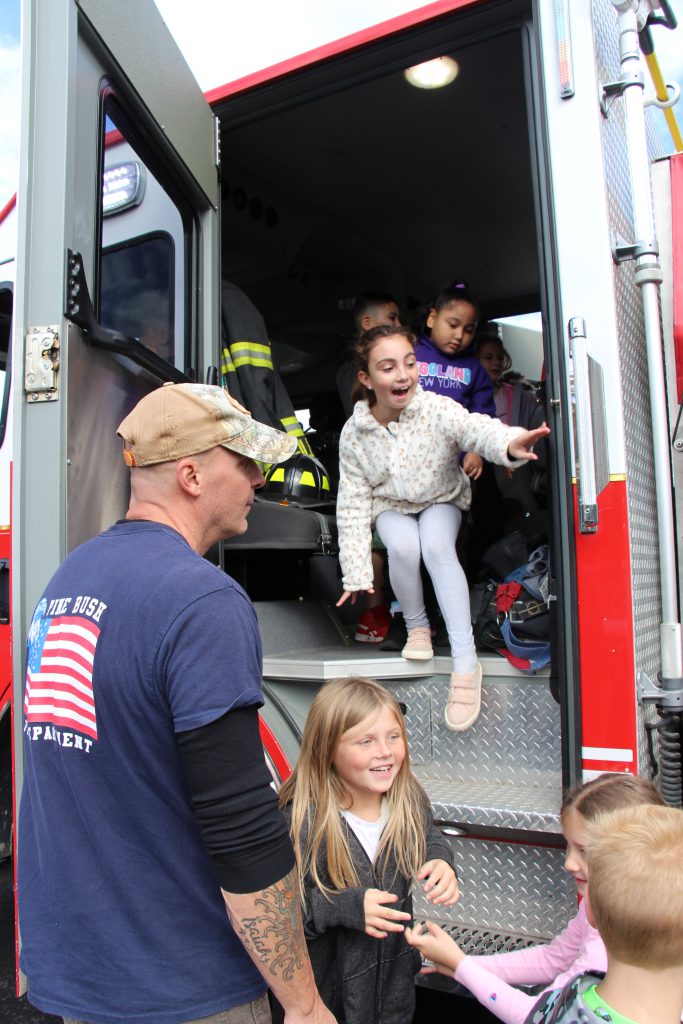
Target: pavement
pixel 13 1010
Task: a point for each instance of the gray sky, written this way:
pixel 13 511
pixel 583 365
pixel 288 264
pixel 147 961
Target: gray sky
pixel 245 37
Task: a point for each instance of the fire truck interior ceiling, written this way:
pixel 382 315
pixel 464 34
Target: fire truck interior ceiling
pixel 329 190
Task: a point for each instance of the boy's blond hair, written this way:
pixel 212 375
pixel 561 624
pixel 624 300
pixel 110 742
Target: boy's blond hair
pixel 635 884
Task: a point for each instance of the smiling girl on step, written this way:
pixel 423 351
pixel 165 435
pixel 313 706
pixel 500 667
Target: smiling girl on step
pixel 362 831
pixel 400 470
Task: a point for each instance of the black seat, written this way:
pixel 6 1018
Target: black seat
pixel 284 526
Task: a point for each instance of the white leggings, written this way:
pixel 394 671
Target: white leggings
pixel 430 535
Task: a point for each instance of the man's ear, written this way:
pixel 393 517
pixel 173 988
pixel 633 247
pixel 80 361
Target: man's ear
pixel 188 476
pixel 366 322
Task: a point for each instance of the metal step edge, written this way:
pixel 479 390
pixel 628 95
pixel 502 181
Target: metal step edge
pixel 323 663
pixel 511 805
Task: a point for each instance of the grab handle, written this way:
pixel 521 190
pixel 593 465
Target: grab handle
pixel 592 470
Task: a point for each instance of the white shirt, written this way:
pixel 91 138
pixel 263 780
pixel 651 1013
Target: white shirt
pixel 369 833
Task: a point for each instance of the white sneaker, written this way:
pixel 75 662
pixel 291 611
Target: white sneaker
pixel 419 646
pixel 464 700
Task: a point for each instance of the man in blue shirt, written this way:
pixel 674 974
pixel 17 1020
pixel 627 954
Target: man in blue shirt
pixel 147 810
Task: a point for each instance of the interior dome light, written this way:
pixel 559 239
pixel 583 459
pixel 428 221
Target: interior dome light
pixel 433 74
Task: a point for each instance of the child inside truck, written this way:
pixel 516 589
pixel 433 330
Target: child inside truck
pixel 578 948
pixel 505 502
pixel 371 309
pixel 516 400
pixel 400 470
pixel 447 362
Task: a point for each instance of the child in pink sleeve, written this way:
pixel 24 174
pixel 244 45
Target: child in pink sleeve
pixel 577 949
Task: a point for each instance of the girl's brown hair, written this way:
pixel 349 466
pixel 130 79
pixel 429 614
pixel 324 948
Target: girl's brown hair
pixel 608 793
pixel 362 350
pixel 316 793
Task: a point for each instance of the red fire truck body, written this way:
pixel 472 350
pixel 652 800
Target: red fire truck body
pixel 150 218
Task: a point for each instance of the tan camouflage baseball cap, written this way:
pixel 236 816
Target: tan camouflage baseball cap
pixel 185 419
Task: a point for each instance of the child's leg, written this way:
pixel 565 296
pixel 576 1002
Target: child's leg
pixel 401 537
pixel 438 528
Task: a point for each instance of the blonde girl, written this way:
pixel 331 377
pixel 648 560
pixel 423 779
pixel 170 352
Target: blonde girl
pixel 363 835
pixel 577 949
pixel 400 470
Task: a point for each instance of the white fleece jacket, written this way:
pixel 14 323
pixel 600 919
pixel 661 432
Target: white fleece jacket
pixel 409 464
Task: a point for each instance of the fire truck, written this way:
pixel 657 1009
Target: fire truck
pixel 163 234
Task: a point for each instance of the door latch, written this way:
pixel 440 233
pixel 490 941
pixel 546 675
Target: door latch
pixel 41 364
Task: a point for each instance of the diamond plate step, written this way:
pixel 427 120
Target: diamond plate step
pixel 516 891
pixel 503 773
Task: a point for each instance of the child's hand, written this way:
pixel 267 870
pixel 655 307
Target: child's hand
pixel 352 594
pixel 442 882
pixel 436 945
pixel 380 919
pixel 523 444
pixel 473 465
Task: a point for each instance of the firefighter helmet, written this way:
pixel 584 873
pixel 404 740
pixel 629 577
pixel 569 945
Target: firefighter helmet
pixel 302 479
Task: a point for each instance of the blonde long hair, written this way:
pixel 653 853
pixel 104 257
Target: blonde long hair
pixel 316 792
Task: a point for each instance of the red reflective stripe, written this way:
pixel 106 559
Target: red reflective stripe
pixel 274 750
pixel 343 45
pixel 605 621
pixel 591 764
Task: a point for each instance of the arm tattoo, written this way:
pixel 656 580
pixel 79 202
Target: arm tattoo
pixel 274 935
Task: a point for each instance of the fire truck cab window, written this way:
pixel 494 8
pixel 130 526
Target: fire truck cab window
pixel 137 291
pixel 142 266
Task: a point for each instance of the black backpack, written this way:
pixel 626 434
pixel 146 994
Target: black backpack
pixel 512 616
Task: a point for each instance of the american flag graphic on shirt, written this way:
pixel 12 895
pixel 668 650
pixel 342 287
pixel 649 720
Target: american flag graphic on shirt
pixel 61 651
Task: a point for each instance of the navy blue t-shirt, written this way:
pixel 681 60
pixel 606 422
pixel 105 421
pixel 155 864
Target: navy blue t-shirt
pixel 461 377
pixel 135 639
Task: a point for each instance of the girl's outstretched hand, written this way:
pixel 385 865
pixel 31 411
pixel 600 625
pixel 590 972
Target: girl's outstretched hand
pixel 523 445
pixel 352 594
pixel 380 919
pixel 442 882
pixel 436 945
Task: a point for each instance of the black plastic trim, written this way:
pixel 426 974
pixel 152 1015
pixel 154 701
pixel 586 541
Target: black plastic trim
pixel 78 308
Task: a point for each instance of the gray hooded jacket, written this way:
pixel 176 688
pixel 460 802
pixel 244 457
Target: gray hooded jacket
pixel 361 979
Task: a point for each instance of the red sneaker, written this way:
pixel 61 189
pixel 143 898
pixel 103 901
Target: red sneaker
pixel 373 625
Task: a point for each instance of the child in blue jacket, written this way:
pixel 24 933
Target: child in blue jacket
pixel 446 364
